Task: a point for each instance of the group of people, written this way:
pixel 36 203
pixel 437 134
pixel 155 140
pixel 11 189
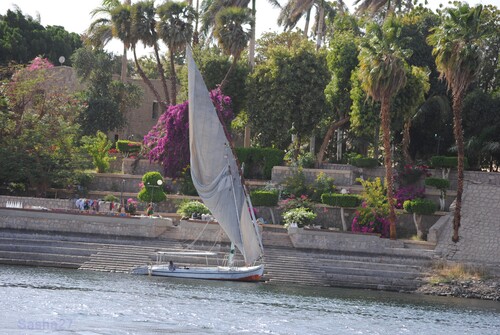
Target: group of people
pixel 90 205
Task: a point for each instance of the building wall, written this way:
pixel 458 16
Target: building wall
pixel 139 120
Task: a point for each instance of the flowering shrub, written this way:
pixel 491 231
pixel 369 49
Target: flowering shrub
pixel 168 141
pixel 412 173
pixel 301 216
pixel 294 202
pixel 369 220
pixel 408 193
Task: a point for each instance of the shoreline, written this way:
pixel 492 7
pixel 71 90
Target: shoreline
pixel 481 289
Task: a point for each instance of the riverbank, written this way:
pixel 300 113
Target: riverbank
pixel 484 289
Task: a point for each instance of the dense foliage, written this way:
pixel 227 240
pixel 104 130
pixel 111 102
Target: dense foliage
pixel 168 141
pixel 23 38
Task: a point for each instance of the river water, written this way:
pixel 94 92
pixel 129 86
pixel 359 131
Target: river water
pixel 59 301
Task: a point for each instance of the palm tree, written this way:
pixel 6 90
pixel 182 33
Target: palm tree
pixel 231 33
pixel 121 19
pixel 458 49
pixel 175 30
pixel 294 10
pixel 100 31
pixel 375 6
pixel 382 71
pixel 144 27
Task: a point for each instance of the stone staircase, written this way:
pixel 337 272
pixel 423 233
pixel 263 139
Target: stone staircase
pixel 399 269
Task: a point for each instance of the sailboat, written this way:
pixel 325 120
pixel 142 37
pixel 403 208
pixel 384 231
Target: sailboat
pixel 218 180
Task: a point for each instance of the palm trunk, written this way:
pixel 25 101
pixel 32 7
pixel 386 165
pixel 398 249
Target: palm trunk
pixel 161 71
pixel 308 18
pixel 224 81
pixel 406 142
pixel 321 19
pixel 123 74
pixel 173 79
pixel 386 124
pixel 251 48
pixel 147 81
pixel 459 139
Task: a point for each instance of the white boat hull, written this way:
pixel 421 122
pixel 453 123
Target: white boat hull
pixel 244 273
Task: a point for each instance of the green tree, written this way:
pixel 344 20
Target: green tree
pixel 232 35
pixel 383 74
pixel 107 100
pixel 98 148
pixel 176 30
pixel 39 133
pixel 287 90
pixel 144 27
pixel 458 45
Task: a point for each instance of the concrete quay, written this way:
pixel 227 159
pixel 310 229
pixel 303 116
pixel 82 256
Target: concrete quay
pixel 289 259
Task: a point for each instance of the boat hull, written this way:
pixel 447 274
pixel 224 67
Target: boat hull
pixel 246 273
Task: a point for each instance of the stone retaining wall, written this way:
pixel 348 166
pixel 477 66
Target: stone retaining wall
pixel 336 241
pixel 83 224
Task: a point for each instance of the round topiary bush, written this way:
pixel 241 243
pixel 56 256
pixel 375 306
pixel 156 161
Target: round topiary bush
pixel 420 206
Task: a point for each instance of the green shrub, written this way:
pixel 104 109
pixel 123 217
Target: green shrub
pixel 420 206
pixel 264 198
pixel 187 209
pixel 98 148
pixel 296 183
pixel 322 184
pixel 439 183
pixel 364 162
pixel 128 147
pixel 302 216
pixel 186 185
pixel 259 162
pixel 151 191
pixel 341 200
pixel 447 162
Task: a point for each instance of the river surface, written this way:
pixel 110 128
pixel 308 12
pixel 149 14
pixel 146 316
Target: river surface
pixel 59 301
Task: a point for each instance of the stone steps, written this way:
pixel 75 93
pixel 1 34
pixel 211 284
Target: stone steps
pixel 398 270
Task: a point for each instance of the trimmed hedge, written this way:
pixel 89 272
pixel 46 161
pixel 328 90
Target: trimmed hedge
pixel 420 206
pixel 125 146
pixel 341 200
pixel 447 162
pixel 259 162
pixel 264 198
pixel 364 162
pixel 439 183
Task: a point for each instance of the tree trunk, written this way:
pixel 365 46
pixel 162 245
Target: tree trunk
pixel 161 71
pixel 123 74
pixel 173 79
pixel 147 81
pixel 406 142
pixel 321 19
pixel 328 136
pixel 459 139
pixel 386 129
pixel 376 143
pixel 224 81
pixel 417 219
pixel 251 48
pixel 308 18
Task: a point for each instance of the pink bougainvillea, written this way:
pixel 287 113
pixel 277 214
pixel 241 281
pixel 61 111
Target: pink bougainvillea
pixel 39 63
pixel 168 141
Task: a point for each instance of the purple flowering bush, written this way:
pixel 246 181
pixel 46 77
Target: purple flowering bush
pixel 408 193
pixel 410 174
pixel 369 220
pixel 168 141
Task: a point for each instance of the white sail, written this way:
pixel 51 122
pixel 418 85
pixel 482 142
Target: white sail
pixel 214 168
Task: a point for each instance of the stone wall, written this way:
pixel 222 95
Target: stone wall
pixel 139 167
pixel 33 220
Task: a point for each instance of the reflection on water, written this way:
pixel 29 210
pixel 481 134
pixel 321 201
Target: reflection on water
pixel 46 301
